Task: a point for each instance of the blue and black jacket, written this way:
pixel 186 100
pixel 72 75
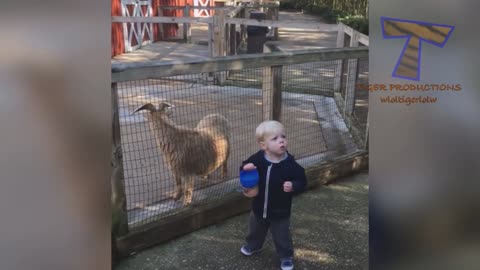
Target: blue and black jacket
pixel 272 202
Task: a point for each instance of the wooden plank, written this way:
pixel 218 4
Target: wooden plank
pixel 276 18
pixel 219 42
pixel 285 24
pixel 269 23
pixel 363 39
pixel 235 12
pixel 119 199
pixel 231 205
pixel 196 7
pixel 337 81
pixel 219 34
pixel 187 30
pixel 328 172
pixel 160 26
pixel 165 19
pixel 348 30
pixel 272 92
pixel 340 35
pixel 190 220
pixel 243 28
pixel 227 39
pixel 233 40
pixel 210 39
pixel 161 68
pixel 258 5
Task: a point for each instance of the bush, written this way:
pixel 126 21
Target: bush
pixel 330 15
pixel 287 5
pixel 327 11
pixel 358 23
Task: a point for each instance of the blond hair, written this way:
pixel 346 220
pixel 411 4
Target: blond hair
pixel 267 128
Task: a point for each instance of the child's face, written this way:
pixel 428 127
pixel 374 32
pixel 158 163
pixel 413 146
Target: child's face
pixel 275 144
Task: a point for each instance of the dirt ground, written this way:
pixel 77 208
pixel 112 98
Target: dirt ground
pixel 329 227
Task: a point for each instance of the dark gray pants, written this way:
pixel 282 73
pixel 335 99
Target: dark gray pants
pixel 280 230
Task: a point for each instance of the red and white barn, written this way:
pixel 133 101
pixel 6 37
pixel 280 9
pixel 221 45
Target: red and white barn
pixel 126 36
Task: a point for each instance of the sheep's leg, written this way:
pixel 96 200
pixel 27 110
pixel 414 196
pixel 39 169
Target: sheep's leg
pixel 189 183
pixel 204 180
pixel 224 171
pixel 178 188
pixel 225 164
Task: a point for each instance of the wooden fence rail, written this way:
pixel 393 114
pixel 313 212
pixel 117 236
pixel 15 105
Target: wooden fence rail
pixel 154 69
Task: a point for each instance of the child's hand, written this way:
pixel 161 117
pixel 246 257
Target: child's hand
pixel 250 192
pixel 287 186
pixel 249 167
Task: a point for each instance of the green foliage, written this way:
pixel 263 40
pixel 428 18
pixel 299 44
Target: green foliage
pixel 349 12
pixel 358 23
pixel 288 5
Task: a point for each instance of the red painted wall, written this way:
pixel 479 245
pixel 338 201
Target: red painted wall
pixel 117 42
pixel 156 28
pixel 117 32
pixel 169 29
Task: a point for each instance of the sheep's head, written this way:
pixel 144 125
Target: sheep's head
pixel 164 108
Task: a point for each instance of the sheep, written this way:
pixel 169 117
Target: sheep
pixel 190 152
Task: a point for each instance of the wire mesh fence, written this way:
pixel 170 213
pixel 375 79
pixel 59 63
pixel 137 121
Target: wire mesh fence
pixel 186 148
pixel 360 110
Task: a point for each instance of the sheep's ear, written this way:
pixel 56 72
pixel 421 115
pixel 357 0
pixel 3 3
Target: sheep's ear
pixel 165 107
pixel 148 107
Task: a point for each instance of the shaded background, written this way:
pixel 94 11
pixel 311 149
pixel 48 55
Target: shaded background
pixel 424 158
pixel 55 135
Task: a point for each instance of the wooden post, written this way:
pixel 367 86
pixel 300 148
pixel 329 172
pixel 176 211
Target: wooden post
pixel 227 39
pixel 276 18
pixel 260 2
pixel 219 41
pixel 219 33
pixel 210 39
pixel 270 14
pixel 187 30
pixel 118 198
pixel 337 82
pixel 351 77
pixel 272 93
pixel 243 28
pixel 160 25
pixel 233 40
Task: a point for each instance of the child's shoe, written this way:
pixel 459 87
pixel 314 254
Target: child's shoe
pixel 247 251
pixel 286 264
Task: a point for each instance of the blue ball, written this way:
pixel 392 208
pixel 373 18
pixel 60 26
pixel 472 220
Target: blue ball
pixel 249 179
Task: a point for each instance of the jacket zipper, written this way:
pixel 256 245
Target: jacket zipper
pixel 265 204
